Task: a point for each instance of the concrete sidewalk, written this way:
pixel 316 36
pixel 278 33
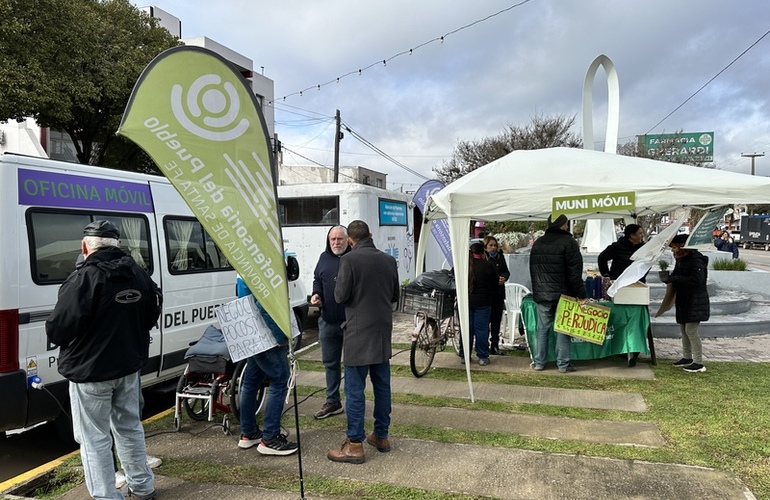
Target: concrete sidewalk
pixel 494 471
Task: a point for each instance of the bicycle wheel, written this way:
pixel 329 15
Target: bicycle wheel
pixel 454 332
pixel 196 409
pixel 424 349
pixel 237 389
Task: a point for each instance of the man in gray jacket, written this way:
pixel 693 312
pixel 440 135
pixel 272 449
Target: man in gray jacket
pixel 367 283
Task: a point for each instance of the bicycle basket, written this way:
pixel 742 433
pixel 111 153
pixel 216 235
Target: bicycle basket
pixel 435 304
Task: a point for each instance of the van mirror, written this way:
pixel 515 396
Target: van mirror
pixel 292 268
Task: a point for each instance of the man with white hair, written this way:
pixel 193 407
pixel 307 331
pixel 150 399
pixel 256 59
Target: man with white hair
pixel 332 317
pixel 102 322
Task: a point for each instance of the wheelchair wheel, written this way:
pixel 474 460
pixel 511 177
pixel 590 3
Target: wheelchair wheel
pixel 197 409
pixel 236 389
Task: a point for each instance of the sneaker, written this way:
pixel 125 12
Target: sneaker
pixel 129 493
pixel 495 351
pixel 247 442
pixel 567 369
pixel 462 360
pixel 120 476
pixel 483 361
pixel 329 409
pixel 683 362
pixel 537 368
pixel 695 368
pixel 278 445
pixel 120 479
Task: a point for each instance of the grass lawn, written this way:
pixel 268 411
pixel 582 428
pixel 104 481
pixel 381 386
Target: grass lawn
pixel 717 419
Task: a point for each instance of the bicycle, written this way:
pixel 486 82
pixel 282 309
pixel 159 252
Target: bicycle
pixel 430 309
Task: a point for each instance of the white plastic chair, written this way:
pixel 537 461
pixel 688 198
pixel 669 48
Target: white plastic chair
pixel 514 292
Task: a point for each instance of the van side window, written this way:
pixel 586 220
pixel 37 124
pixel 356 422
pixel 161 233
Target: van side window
pixel 320 210
pixel 191 248
pixel 55 241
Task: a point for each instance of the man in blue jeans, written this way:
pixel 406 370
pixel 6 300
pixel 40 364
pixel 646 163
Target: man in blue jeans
pixel 271 364
pixel 331 319
pixel 101 323
pixel 556 268
pixel 367 283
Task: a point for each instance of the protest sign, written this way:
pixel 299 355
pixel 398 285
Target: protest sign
pixel 244 329
pixel 587 322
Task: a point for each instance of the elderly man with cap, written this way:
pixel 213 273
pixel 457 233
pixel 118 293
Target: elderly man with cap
pixel 556 268
pixel 692 301
pixel 102 323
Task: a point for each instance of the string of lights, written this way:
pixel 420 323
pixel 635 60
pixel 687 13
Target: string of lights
pixel 384 62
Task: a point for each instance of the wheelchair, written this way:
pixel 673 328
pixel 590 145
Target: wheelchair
pixel 211 383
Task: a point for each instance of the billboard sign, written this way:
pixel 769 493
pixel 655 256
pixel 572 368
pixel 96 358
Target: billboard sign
pixel 696 146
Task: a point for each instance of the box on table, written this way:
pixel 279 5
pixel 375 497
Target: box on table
pixel 634 294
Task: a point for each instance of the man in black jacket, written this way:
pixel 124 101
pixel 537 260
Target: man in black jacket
pixel 620 252
pixel 556 268
pixel 102 322
pixel 332 316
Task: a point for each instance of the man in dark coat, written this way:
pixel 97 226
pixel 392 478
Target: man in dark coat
pixel 101 323
pixel 367 283
pixel 620 252
pixel 692 301
pixel 556 268
pixel 332 316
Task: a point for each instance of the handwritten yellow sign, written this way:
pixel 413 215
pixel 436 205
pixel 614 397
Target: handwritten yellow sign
pixel 587 322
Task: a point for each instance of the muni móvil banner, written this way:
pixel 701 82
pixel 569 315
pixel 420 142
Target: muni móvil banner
pixel 198 119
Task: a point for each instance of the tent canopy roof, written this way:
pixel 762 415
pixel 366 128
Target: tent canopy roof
pixel 521 185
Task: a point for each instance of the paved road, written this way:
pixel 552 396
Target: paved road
pixel 757 259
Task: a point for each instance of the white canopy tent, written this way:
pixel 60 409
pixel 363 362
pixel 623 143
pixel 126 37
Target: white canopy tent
pixel 522 184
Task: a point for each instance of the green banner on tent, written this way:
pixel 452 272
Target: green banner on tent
pixel 201 123
pixel 587 322
pixel 594 203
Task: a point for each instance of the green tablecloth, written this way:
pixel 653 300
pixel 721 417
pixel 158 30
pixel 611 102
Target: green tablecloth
pixel 626 332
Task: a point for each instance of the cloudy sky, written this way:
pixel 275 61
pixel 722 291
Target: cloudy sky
pixel 501 62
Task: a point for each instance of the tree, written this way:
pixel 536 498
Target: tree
pixel 72 64
pixel 541 132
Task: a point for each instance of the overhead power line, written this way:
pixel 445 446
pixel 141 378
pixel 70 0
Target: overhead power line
pixel 382 153
pixel 708 82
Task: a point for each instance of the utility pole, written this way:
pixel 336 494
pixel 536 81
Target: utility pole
pixel 752 156
pixel 337 138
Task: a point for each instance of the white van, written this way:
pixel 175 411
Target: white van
pixel 308 211
pixel 44 206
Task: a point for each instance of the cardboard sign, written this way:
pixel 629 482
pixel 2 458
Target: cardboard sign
pixel 587 322
pixel 244 329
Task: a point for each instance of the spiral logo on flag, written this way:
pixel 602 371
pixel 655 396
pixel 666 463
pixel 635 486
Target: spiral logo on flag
pixel 209 109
